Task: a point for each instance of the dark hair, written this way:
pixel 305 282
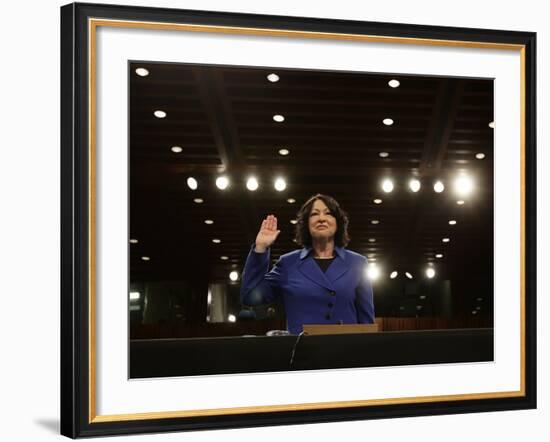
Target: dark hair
pixel 303 236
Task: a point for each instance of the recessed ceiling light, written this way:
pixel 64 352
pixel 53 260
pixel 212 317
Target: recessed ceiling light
pixel 464 185
pixel 278 118
pixel 159 114
pixel 422 296
pixel 216 240
pixel 445 239
pixel 408 275
pixel 430 272
pixel 234 275
pixel 439 255
pixel 383 154
pixel 393 274
pixel 252 184
pixel 387 185
pixel 280 184
pixel 291 200
pixel 452 222
pixel 460 202
pixel 145 258
pixel 142 72
pixel 208 221
pixel 374 221
pixel 419 307
pixel 176 149
pixel 293 221
pixel 198 200
pixel 192 183
pixel 274 78
pixel 387 121
pixel 222 182
pixel 414 185
pixel 492 124
pixel 439 187
pixel 480 156
pixel 134 296
pixel 393 83
pixel 478 307
pixel 284 152
pixel 479 299
pixel 474 312
pixel 372 239
pixel 224 258
pixel 133 241
pixel 377 201
pixel 373 272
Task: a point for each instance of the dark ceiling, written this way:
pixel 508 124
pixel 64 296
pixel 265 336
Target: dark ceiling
pixel 222 118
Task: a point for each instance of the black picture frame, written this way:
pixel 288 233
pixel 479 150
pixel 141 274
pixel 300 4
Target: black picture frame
pixel 78 415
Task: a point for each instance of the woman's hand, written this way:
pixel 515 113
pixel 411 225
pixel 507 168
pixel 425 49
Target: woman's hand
pixel 267 235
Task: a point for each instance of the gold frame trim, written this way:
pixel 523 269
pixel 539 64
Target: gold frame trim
pixel 93 24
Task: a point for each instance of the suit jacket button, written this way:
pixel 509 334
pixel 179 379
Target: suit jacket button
pixel 327 316
pixel 331 304
pixel 332 292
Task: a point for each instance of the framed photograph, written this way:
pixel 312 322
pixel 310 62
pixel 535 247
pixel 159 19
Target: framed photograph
pixel 273 220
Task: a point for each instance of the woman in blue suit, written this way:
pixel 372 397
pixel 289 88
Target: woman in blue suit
pixel 323 283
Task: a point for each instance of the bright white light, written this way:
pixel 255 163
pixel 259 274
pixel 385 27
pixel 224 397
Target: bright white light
pixel 439 255
pixel 216 241
pixel 176 149
pixel 280 184
pixel 159 114
pixel 387 121
pixel 291 200
pixel 439 187
pixel 293 221
pixel 377 201
pixel 145 258
pixel 234 275
pixel 278 118
pixel 209 297
pixel 192 183
pixel 452 222
pixel 198 200
pixel 372 240
pixel 387 185
pixel 142 72
pixel 284 152
pixel 464 185
pixel 480 156
pixel 133 241
pixel 492 124
pixel 224 258
pixel 375 221
pixel 373 272
pixel 393 274
pixel 408 275
pixel 430 273
pixel 222 182
pixel 445 240
pixel 231 318
pixel 274 78
pixel 414 185
pixel 460 202
pixel 393 83
pixel 383 154
pixel 252 184
pixel 134 296
pixel 208 221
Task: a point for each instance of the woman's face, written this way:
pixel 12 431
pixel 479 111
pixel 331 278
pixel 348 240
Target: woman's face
pixel 322 223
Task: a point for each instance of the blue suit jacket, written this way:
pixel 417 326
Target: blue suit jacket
pixel 342 295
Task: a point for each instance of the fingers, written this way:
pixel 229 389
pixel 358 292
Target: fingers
pixel 270 223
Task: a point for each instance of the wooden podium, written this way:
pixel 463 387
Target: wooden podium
pixel 339 329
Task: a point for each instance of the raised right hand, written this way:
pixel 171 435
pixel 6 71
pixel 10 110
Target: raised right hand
pixel 267 235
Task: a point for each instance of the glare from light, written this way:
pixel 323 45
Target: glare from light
pixel 430 272
pixel 439 255
pixel 408 275
pixel 480 156
pixel 224 258
pixel 452 222
pixel 393 274
pixel 387 121
pixel 274 78
pixel 192 183
pixel 280 184
pixel 393 83
pixel 278 118
pixel 414 185
pixel 159 114
pixel 208 221
pixel 377 201
pixel 133 241
pixel 293 221
pixel 387 185
pixel 284 152
pixel 464 185
pixel 446 240
pixel 375 221
pixel 176 149
pixel 460 202
pixel 231 318
pixel 252 184
pixel 142 72
pixel 134 296
pixel 373 272
pixel 222 182
pixel 383 154
pixel 439 187
pixel 291 200
pixel 216 240
pixel 145 258
pixel 234 275
pixel 492 124
pixel 198 200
